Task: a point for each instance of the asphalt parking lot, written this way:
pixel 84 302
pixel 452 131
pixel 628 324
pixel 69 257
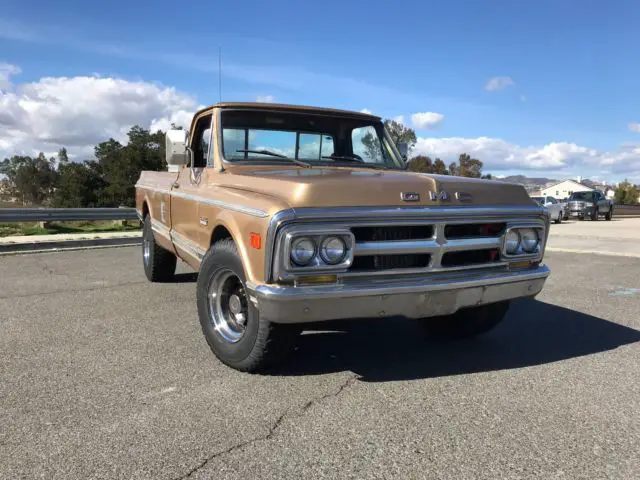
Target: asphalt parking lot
pixel 107 376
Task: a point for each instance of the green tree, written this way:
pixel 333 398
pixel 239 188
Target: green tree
pixel 422 164
pixel 400 133
pixel 469 167
pixel 439 167
pixel 63 158
pixel 626 194
pixel 32 180
pixel 80 185
pixel 121 165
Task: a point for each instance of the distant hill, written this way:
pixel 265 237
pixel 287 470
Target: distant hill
pixel 527 180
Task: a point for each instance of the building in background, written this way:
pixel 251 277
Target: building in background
pixel 564 189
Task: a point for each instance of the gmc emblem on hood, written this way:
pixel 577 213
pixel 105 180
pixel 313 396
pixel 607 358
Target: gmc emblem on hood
pixel 443 196
pixel 410 196
pixel 438 196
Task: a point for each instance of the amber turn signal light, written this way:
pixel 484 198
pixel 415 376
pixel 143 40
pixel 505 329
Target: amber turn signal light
pixel 255 240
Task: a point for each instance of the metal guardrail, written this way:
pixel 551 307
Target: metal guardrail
pixel 626 210
pixel 8 215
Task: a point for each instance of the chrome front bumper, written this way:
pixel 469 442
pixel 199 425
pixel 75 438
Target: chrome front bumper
pixel 425 297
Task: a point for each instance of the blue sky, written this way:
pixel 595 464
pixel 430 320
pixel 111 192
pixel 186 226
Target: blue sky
pixel 571 69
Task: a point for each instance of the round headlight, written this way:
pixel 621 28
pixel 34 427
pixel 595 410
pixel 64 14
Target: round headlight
pixel 333 250
pixel 511 242
pixel 529 239
pixel 302 251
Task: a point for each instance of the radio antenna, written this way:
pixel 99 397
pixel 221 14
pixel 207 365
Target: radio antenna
pixel 220 73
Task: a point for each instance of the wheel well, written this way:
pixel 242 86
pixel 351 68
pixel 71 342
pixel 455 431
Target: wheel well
pixel 220 233
pixel 145 210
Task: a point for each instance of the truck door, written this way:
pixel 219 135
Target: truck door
pixel 603 205
pixel 187 191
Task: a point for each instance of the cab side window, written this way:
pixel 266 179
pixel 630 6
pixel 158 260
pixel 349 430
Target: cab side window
pixel 200 144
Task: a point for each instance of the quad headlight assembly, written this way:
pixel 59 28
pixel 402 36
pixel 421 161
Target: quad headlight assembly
pixel 523 241
pixel 308 250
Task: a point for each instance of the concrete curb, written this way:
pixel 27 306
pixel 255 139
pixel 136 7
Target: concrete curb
pixel 67 245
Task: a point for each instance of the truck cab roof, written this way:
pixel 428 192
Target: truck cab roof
pixel 288 107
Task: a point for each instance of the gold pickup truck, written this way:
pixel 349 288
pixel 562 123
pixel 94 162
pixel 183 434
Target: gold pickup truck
pixel 295 214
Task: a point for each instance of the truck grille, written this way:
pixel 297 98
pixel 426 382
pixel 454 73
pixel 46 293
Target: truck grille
pixel 401 232
pixel 425 247
pixel 407 242
pixel 386 262
pixel 474 230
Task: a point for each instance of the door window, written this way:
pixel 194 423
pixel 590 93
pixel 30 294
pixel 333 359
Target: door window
pixel 201 142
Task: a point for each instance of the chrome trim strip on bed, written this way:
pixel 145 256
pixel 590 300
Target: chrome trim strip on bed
pixel 187 246
pixel 217 203
pixel 161 229
pixel 256 212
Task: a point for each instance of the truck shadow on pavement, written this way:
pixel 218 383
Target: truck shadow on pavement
pixel 379 350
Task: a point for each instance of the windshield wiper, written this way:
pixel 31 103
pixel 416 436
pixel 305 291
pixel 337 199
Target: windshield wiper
pixel 355 160
pixel 342 157
pixel 279 155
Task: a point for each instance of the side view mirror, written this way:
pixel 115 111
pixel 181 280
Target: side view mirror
pixel 176 147
pixel 403 148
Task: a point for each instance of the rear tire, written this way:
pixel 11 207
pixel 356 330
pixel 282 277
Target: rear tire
pixel 234 329
pixel 468 322
pixel 159 263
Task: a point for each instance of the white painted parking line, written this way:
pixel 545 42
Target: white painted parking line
pixel 596 252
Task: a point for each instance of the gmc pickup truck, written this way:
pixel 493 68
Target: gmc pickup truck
pixel 294 214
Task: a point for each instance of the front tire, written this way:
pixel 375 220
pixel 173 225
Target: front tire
pixel 468 322
pixel 159 263
pixel 609 214
pixel 559 219
pixel 234 329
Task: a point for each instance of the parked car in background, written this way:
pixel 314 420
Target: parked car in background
pixel 555 208
pixel 590 204
pixel 565 208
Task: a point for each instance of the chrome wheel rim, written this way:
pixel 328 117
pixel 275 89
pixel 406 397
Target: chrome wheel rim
pixel 228 307
pixel 146 250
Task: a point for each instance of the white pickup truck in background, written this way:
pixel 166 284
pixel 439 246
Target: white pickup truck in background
pixel 556 210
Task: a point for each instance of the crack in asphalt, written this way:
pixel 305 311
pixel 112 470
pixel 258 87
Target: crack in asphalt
pixel 273 429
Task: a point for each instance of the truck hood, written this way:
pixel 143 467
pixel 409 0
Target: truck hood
pixel 338 187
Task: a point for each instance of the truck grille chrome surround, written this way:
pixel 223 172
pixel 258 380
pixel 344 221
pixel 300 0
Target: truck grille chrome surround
pixel 408 240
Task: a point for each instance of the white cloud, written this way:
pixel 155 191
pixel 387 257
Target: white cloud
pixel 498 83
pixel 399 119
pixel 367 111
pixel 427 120
pixel 634 127
pixel 556 158
pixel 266 99
pixel 6 72
pixel 79 112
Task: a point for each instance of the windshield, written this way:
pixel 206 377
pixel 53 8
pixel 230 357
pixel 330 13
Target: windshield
pixel 539 200
pixel 585 196
pixel 268 137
